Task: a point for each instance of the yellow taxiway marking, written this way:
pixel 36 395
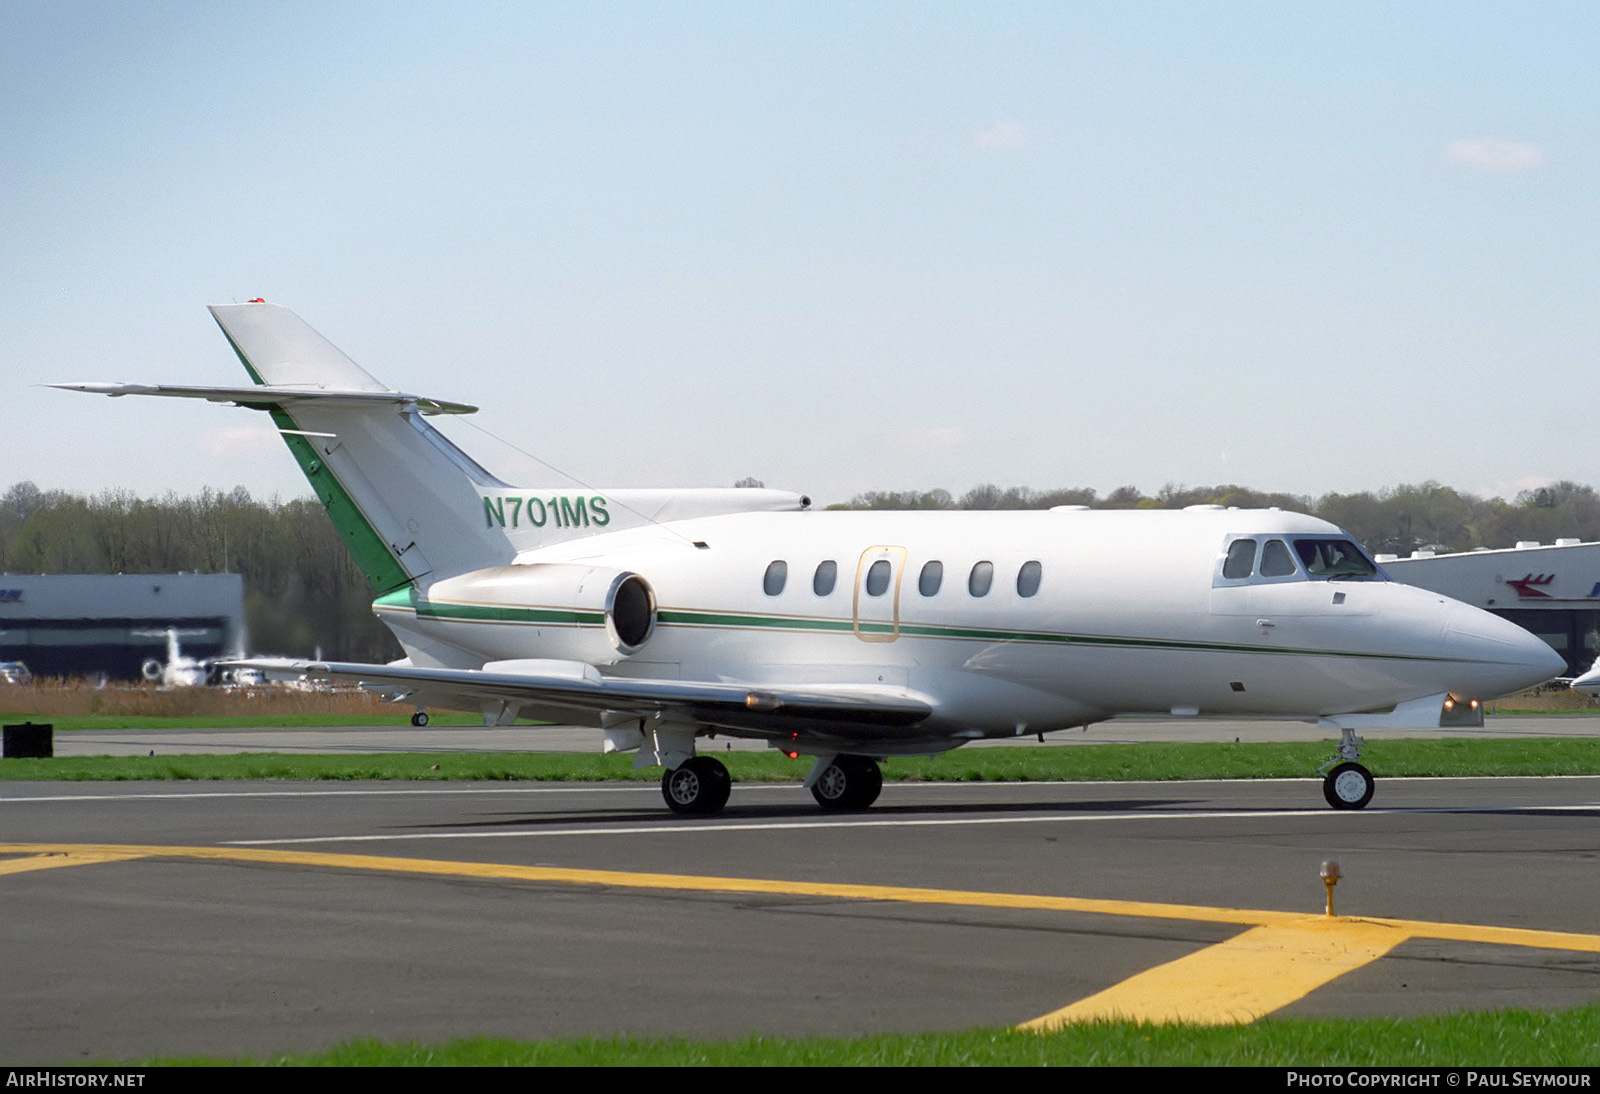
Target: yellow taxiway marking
pixel 1283 957
pixel 1237 981
pixel 691 882
pixel 50 859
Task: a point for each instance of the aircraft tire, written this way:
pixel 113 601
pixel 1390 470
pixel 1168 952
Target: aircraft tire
pixel 850 782
pixel 420 718
pixel 1349 786
pixel 699 785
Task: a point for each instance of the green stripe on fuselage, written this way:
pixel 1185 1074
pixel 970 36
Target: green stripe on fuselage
pixel 479 613
pixel 451 612
pixel 692 618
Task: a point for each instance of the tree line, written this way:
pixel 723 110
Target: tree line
pixel 303 591
pixel 1398 520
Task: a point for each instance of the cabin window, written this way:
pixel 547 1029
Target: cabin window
pixel 878 578
pixel 777 574
pixel 931 578
pixel 1276 560
pixel 1241 559
pixel 1028 578
pixel 822 581
pixel 981 578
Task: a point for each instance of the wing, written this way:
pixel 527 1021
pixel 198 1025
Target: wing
pixel 848 712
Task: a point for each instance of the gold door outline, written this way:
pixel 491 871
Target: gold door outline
pixel 896 557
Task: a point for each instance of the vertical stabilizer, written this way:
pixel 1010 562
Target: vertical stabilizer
pixel 403 497
pixel 408 503
pixel 280 349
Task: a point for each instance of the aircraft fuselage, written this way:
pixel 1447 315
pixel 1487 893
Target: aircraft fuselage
pixel 1037 621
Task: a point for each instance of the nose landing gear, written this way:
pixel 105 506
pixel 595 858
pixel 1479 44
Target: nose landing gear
pixel 1348 785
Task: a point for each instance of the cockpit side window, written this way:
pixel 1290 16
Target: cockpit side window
pixel 1276 560
pixel 1241 559
pixel 1257 559
pixel 1333 558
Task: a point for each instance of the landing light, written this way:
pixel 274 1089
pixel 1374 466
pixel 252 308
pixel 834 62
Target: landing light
pixel 1460 710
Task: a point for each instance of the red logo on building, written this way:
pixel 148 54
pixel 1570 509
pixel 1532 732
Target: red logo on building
pixel 1525 585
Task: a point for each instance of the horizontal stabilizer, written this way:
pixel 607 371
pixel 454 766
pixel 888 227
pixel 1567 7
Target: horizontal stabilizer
pixel 765 711
pixel 273 395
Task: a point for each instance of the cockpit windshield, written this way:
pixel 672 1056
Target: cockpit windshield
pixel 1295 558
pixel 1333 559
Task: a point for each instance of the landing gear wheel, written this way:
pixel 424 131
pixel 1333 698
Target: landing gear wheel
pixel 698 785
pixel 850 782
pixel 1349 786
pixel 420 718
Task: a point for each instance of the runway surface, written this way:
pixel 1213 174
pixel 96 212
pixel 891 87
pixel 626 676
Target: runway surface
pixel 255 918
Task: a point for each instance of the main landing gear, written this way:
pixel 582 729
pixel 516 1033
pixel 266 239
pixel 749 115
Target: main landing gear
pixel 849 782
pixel 420 718
pixel 1348 785
pixel 698 785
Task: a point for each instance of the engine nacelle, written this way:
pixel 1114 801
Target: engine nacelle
pixel 561 610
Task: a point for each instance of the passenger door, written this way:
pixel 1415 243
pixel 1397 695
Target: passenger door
pixel 877 593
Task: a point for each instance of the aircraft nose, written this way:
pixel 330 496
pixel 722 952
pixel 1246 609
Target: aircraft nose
pixel 1508 658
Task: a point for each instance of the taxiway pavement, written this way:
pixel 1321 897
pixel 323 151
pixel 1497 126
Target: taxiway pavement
pixel 162 918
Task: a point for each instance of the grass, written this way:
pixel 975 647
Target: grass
pixel 53 700
pixel 1019 763
pixel 1509 1038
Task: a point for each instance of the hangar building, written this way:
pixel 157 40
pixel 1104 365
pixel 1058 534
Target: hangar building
pixel 86 624
pixel 1553 591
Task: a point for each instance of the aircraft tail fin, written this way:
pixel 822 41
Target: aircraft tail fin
pixel 403 497
pixel 408 502
pixel 279 349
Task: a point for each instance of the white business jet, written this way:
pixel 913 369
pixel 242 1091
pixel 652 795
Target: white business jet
pixel 664 616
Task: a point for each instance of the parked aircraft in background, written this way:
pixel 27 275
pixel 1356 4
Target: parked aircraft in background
pixel 179 670
pixel 1589 682
pixel 665 616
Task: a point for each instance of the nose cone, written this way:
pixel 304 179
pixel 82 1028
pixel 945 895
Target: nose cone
pixel 1502 657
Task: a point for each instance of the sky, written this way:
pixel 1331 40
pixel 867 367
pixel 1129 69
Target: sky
pixel 1314 247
